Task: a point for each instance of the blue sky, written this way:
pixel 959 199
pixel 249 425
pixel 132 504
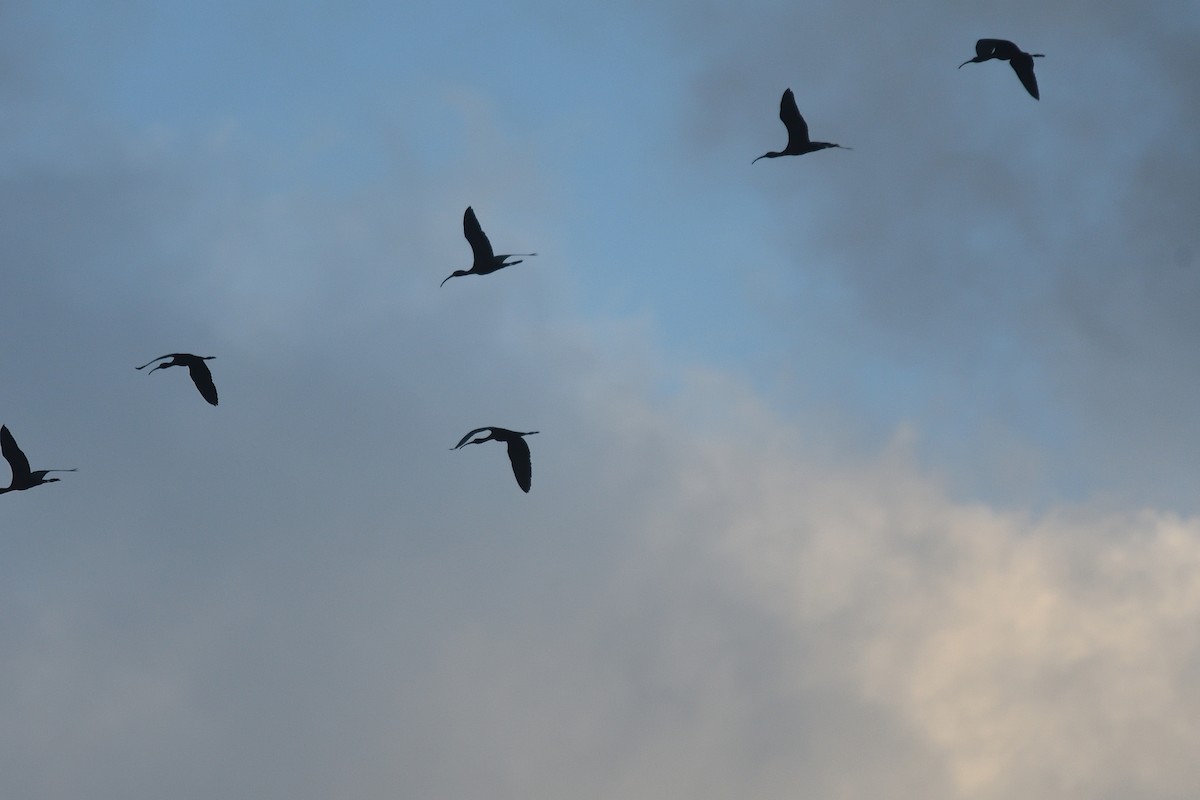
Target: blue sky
pixel 863 473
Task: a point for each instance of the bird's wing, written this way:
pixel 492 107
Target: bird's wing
pixel 518 454
pixel 203 380
pixel 468 436
pixel 13 455
pixel 1022 64
pixel 789 114
pixel 478 240
pixel 160 358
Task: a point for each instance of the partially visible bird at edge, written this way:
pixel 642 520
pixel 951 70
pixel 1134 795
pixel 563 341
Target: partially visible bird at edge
pixel 1018 59
pixel 22 476
pixel 798 141
pixel 196 367
pixel 485 260
pixel 518 450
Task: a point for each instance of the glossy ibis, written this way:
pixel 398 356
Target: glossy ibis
pixel 1018 59
pixel 22 476
pixel 798 141
pixel 485 260
pixel 196 367
pixel 518 451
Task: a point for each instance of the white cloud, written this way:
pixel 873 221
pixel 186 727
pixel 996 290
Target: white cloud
pixel 1024 655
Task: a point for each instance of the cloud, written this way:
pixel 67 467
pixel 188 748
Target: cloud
pixel 1022 654
pixel 837 629
pixel 305 593
pixel 725 609
pixel 987 266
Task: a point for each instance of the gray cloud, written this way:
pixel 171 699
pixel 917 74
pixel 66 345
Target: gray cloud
pixel 304 593
pixel 1025 267
pixel 666 613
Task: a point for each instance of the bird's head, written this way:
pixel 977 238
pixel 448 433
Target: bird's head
pixel 458 273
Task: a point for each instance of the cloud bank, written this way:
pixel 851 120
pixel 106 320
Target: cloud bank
pixel 712 591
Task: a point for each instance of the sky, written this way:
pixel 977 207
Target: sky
pixel 868 473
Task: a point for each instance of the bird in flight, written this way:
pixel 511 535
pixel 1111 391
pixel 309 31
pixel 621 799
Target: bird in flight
pixel 518 451
pixel 22 477
pixel 1018 59
pixel 485 260
pixel 798 141
pixel 196 366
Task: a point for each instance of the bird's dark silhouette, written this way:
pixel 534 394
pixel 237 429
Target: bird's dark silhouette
pixel 518 451
pixel 485 260
pixel 1018 59
pixel 22 477
pixel 798 141
pixel 196 367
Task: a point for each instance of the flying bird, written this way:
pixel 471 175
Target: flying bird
pixel 798 141
pixel 22 477
pixel 518 451
pixel 485 260
pixel 196 366
pixel 1018 59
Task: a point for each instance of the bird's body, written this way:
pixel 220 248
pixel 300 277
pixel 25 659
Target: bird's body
pixel 196 368
pixel 22 476
pixel 518 450
pixel 1018 59
pixel 798 141
pixel 485 261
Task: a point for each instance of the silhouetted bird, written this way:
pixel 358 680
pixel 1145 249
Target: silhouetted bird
pixel 798 141
pixel 196 366
pixel 485 260
pixel 22 478
pixel 1018 59
pixel 518 451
